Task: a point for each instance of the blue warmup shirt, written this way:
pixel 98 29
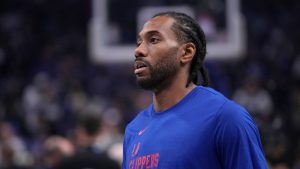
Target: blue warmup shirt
pixel 204 130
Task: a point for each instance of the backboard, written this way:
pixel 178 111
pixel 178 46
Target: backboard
pixel 115 23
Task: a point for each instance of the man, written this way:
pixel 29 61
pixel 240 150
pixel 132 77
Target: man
pixel 187 126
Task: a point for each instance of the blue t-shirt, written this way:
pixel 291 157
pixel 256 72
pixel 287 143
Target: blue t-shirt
pixel 204 130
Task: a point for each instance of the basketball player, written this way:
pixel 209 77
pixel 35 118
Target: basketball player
pixel 189 125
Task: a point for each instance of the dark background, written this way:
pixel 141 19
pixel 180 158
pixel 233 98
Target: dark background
pixel 47 78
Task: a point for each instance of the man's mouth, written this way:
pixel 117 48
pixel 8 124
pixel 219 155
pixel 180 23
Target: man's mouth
pixel 139 67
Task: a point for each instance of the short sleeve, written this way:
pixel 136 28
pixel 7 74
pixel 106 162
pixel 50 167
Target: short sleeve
pixel 237 139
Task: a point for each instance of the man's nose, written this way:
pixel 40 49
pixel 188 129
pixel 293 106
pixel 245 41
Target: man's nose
pixel 140 51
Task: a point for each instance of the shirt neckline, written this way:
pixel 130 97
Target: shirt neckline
pixel 176 106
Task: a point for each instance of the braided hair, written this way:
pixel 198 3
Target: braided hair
pixel 188 30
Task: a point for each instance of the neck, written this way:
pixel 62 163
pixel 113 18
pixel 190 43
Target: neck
pixel 168 97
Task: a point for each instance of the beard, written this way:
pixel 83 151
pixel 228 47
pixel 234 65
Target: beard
pixel 161 74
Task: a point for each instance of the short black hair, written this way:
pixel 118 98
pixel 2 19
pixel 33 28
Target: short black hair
pixel 188 30
pixel 91 125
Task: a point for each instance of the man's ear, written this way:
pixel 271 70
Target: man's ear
pixel 189 51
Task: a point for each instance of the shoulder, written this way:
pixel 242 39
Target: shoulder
pixel 209 99
pixel 139 121
pixel 226 110
pixel 237 138
pixel 234 114
pixel 231 119
pixel 210 95
pixel 233 122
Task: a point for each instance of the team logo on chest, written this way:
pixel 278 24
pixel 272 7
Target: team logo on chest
pixel 136 148
pixel 143 161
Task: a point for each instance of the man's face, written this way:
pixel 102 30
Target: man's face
pixel 157 61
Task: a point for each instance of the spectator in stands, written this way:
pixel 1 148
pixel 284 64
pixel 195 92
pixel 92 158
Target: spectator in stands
pixel 56 148
pixel 255 98
pixel 88 155
pixel 13 152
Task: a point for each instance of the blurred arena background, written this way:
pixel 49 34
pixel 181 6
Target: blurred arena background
pixel 63 60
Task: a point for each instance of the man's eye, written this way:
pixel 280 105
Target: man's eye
pixel 138 43
pixel 154 40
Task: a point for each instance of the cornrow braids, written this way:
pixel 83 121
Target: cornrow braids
pixel 188 30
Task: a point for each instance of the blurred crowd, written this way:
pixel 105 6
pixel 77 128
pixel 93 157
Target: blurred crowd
pixel 49 87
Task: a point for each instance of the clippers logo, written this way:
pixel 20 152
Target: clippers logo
pixel 136 148
pixel 148 161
